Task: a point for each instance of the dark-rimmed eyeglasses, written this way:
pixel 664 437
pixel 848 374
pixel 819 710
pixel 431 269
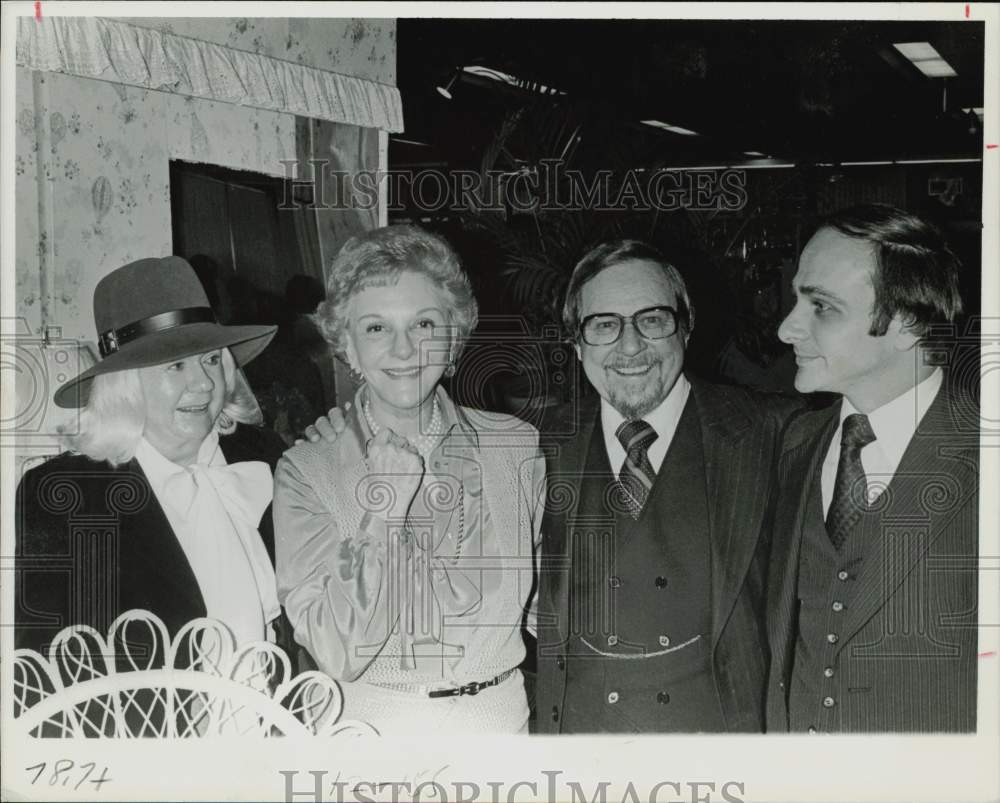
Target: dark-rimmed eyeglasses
pixel 605 328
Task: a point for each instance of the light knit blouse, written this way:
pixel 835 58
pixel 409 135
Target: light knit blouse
pixel 435 601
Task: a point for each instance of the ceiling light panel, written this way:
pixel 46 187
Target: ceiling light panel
pixel 925 58
pixel 935 68
pixel 915 51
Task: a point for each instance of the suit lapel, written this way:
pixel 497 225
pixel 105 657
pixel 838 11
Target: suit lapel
pixel 567 456
pixel 151 546
pixel 733 518
pixel 798 472
pixel 932 481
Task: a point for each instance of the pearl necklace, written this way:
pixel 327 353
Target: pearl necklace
pixel 425 442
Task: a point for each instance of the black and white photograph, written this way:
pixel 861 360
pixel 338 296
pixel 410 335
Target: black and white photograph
pixel 500 402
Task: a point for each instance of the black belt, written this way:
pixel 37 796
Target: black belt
pixel 472 688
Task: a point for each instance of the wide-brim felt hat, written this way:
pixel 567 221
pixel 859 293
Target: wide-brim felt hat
pixel 155 311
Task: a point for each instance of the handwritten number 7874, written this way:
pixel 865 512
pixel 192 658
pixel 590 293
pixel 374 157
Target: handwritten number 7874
pixel 61 773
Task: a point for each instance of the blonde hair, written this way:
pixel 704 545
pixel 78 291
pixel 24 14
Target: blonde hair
pixel 112 422
pixel 378 258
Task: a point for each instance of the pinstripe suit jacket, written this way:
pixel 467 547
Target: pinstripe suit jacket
pixel 907 649
pixel 740 436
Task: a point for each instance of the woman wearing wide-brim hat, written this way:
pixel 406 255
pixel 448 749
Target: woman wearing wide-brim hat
pixel 163 501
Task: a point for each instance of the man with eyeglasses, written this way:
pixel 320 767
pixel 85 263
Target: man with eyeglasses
pixel 651 577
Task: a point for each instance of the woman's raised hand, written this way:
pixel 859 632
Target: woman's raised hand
pixel 395 467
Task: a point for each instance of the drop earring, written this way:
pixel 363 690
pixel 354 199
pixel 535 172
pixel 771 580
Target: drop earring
pixel 225 425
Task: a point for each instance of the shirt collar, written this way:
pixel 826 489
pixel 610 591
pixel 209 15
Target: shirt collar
pixel 663 419
pixel 895 421
pixel 157 468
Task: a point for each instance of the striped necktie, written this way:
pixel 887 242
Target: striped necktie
pixel 850 489
pixel 637 475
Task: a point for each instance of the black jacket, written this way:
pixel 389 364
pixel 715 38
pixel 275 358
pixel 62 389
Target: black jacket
pixel 92 542
pixel 906 654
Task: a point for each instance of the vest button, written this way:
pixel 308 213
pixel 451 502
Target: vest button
pixel 613 697
pixel 614 582
pixel 832 638
pixel 555 713
pixel 838 606
pixel 561 662
pixel 842 575
pixel 661 582
pixel 664 641
pixel 828 702
pixel 828 672
pixel 662 697
pixel 612 640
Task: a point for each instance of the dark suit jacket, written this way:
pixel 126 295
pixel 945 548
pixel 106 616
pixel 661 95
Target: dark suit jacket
pixel 740 432
pixel 908 645
pixel 92 542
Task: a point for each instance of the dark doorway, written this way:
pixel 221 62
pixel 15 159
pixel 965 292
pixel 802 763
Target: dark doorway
pixel 235 218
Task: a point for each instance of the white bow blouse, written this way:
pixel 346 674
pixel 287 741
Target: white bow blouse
pixel 214 509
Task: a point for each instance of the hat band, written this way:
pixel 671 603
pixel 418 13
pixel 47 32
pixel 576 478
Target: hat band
pixel 113 339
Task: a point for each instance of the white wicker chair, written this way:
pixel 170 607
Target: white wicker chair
pixel 138 682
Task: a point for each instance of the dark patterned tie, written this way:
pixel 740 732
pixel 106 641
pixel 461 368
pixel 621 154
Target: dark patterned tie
pixel 637 474
pixel 850 490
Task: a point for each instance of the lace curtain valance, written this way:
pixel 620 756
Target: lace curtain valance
pixel 107 50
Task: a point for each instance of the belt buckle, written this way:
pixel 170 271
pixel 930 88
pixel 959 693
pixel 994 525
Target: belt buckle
pixel 454 691
pixel 471 689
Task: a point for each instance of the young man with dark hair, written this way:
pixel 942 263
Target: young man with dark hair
pixel 872 587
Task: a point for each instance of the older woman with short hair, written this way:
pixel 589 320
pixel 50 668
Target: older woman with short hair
pixel 163 502
pixel 405 548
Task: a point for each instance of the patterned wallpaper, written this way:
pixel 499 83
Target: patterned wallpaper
pixel 28 244
pixel 107 171
pixel 108 179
